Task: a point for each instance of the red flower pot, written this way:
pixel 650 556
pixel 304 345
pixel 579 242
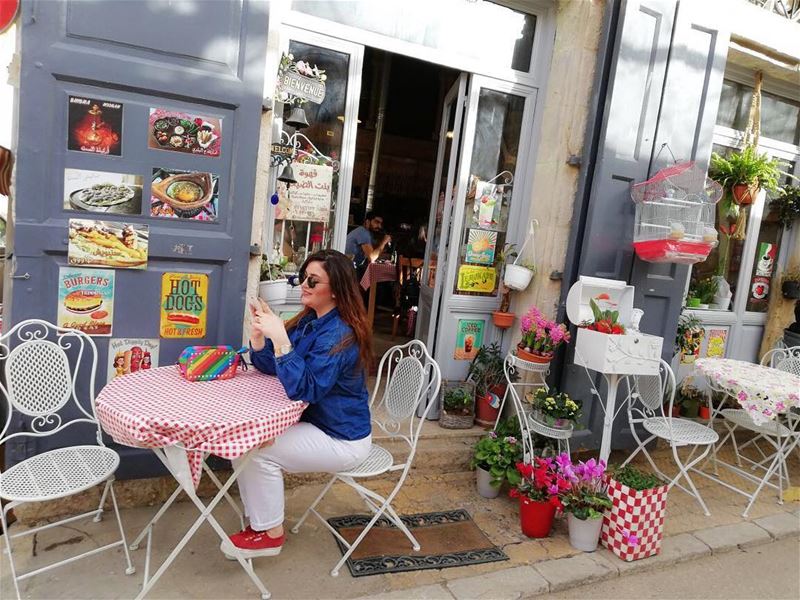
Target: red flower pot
pixel 705 413
pixel 485 413
pixel 533 357
pixel 536 518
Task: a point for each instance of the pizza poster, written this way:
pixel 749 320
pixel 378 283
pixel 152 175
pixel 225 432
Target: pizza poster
pixel 469 338
pixel 481 245
pixel 184 303
pixel 86 300
pixel 95 126
pixel 473 278
pixel 129 355
pixel 107 244
pixel 182 132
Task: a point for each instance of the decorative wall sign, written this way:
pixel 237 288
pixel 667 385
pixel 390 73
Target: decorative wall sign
pixel 98 191
pixel 690 347
pixel 128 355
pixel 472 278
pixel 481 246
pixel 488 197
pixel 299 82
pixel 309 198
pixel 766 259
pixel 95 126
pixel 184 303
pixel 182 132
pixel 469 338
pixel 716 342
pixel 86 300
pixel 184 195
pixel 107 244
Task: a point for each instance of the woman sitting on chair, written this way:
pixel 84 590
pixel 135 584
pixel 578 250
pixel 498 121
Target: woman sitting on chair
pixel 321 356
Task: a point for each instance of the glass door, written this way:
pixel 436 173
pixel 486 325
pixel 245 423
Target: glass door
pixel 441 212
pixel 312 212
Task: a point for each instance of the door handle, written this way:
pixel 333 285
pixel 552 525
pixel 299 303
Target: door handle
pixel 23 276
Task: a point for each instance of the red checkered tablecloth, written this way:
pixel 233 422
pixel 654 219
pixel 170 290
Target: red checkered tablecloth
pixel 158 408
pixel 379 272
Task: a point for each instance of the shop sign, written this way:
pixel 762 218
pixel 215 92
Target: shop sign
pixel 469 338
pixel 299 82
pixel 310 198
pixel 281 153
pixel 481 246
pixel 472 278
pixel 129 355
pixel 107 244
pixel 184 303
pixel 86 300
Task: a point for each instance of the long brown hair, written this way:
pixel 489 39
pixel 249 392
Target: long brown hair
pixel 344 287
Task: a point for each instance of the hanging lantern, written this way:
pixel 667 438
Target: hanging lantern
pixel 287 176
pixel 297 118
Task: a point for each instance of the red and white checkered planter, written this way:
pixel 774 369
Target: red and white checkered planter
pixel 634 514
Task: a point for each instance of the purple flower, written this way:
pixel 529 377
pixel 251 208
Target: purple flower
pixel 742 396
pixel 630 539
pixel 552 490
pixel 511 439
pixel 493 435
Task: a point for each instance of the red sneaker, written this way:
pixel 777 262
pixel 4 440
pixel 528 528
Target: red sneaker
pixel 251 544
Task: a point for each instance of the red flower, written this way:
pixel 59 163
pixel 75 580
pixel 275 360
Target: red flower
pixel 617 329
pixel 513 493
pixel 198 121
pixel 556 502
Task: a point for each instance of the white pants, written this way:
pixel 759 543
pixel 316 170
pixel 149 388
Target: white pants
pixel 303 448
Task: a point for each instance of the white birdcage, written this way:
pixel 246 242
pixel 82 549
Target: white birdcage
pixel 675 215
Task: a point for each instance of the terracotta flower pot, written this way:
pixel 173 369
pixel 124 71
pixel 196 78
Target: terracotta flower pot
pixel 704 412
pixel 503 320
pixel 536 518
pixel 744 194
pixel 485 413
pixel 533 357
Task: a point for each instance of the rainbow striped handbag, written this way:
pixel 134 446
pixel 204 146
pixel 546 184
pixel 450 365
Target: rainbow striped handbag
pixel 207 363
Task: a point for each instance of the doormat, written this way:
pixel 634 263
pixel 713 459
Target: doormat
pixel 447 539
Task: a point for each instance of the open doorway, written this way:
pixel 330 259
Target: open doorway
pixel 393 176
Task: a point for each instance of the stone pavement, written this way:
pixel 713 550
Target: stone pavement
pixel 302 569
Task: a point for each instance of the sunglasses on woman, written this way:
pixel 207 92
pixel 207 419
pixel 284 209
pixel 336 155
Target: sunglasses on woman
pixel 311 281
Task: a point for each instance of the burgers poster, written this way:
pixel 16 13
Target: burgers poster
pixel 184 299
pixel 86 300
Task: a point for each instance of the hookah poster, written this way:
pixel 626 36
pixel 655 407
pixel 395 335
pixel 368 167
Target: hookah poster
pixel 95 126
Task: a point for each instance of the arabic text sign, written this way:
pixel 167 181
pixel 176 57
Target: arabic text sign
pixel 310 198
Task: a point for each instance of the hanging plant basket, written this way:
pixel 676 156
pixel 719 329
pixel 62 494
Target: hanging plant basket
pixel 744 194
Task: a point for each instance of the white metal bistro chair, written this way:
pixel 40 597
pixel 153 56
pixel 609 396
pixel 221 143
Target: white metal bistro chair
pixel 647 395
pixel 42 364
pixel 411 376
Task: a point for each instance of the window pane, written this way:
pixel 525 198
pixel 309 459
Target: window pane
pixel 433 262
pixel 482 30
pixel 780 118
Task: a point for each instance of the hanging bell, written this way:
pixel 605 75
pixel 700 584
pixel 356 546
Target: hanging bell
pixel 287 176
pixel 297 118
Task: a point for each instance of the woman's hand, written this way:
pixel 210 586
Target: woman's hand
pixel 267 324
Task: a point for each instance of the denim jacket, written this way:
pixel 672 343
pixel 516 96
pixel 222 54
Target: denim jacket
pixel 333 384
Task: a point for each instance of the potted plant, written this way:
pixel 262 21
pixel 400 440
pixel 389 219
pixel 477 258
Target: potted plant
pixel 744 173
pixel 502 318
pixel 788 205
pixel 584 500
pixel 458 405
pixel 704 291
pixel 540 337
pixel 605 321
pixel 537 491
pixel 273 287
pixel 634 527
pixel 790 284
pixel 494 459
pixel 556 409
pixel 486 372
pixel 691 398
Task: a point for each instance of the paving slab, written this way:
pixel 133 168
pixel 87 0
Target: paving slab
pixel 780 525
pixel 425 592
pixel 675 549
pixel 730 537
pixel 564 573
pixel 508 584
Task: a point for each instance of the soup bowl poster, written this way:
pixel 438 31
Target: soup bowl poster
pixel 184 303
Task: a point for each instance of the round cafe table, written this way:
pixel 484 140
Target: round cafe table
pixel 183 423
pixel 377 272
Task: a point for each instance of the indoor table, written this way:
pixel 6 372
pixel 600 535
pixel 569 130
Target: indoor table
pixel 377 272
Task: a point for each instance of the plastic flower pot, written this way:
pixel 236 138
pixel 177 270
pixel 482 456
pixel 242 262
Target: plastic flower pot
pixel 486 409
pixel 584 535
pixel 693 302
pixel 536 518
pixel 517 277
pixel 274 291
pixel 503 320
pixel 533 356
pixel 484 482
pixel 704 412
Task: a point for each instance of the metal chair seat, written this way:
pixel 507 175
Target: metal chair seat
pixel 740 417
pixel 58 473
pixel 684 431
pixel 378 461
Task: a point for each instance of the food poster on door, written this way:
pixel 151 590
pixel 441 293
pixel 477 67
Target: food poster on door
pixel 715 342
pixel 102 192
pixel 473 278
pixel 129 355
pixel 94 126
pixel 481 245
pixel 183 132
pixel 310 198
pixel 469 338
pixel 107 244
pixel 184 304
pixel 176 194
pixel 86 300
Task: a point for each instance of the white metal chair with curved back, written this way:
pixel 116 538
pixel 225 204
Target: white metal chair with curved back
pixel 651 392
pixel 42 364
pixel 411 376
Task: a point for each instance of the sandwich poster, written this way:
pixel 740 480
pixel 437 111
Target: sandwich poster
pixel 184 300
pixel 107 244
pixel 128 355
pixel 86 300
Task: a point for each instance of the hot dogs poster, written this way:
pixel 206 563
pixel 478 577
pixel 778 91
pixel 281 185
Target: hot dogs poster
pixel 184 299
pixel 128 355
pixel 86 300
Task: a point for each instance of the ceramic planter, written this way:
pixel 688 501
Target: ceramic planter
pixel 487 408
pixel 744 194
pixel 517 277
pixel 584 535
pixel 533 356
pixel 536 518
pixel 484 482
pixel 273 292
pixel 791 289
pixel 503 320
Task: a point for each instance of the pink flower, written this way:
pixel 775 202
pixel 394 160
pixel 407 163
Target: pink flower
pixel 742 396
